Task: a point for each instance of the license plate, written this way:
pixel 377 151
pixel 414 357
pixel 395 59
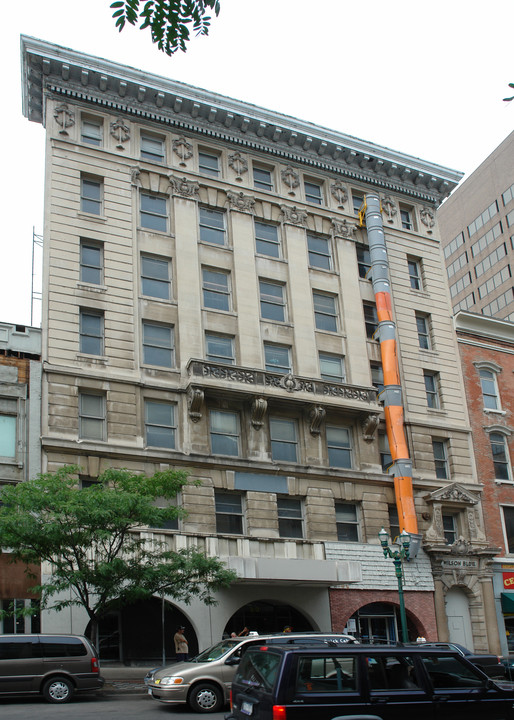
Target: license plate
pixel 246 708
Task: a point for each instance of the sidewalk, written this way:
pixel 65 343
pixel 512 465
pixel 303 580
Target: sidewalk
pixel 124 679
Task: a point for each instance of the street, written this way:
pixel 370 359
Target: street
pixel 85 707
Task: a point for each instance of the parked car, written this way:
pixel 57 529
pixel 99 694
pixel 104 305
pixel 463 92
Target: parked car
pixel 55 666
pixel 366 682
pixel 204 681
pixel 491 664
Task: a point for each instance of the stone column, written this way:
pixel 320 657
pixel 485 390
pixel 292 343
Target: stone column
pixel 491 623
pixel 440 611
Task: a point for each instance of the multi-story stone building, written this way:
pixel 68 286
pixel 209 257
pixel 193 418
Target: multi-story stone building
pixel 20 451
pixel 476 224
pixel 486 347
pixel 208 306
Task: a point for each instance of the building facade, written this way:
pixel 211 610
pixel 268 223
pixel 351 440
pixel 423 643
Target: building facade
pixel 20 451
pixel 486 347
pixel 476 224
pixel 208 306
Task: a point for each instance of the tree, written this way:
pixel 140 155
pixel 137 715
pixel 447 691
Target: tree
pixel 91 538
pixel 169 20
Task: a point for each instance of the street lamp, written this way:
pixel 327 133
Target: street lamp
pixel 398 556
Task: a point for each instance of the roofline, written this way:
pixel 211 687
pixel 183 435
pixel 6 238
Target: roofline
pixel 484 325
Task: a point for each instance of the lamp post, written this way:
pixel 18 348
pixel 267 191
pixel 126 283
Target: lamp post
pixel 398 556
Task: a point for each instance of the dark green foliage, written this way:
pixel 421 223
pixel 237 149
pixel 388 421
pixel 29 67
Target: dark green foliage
pixel 169 21
pixel 509 99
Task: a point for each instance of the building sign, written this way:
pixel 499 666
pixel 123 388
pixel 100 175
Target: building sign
pixel 508 580
pixel 466 563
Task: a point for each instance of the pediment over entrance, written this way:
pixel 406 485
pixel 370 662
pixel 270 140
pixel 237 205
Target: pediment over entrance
pixel 453 494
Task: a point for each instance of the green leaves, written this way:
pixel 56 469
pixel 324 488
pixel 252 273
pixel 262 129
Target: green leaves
pixel 169 20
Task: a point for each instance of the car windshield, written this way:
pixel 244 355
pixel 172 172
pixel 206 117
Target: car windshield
pixel 216 651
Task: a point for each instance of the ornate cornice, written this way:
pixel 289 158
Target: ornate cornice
pixel 67 74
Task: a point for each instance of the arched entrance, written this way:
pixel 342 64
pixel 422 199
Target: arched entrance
pixel 379 623
pixel 143 633
pixel 459 620
pixel 267 616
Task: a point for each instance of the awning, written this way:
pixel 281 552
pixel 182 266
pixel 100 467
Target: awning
pixel 507 600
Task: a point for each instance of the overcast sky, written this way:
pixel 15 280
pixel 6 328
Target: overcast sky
pixel 423 78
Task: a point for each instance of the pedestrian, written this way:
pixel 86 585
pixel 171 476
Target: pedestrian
pixel 181 646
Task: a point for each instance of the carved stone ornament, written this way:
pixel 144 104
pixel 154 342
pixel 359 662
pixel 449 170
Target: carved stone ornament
pixel 183 149
pixel 238 164
pixel 259 407
pixel 241 202
pixel 344 229
pixel 339 192
pixel 427 218
pixel 316 416
pixel 290 178
pixel 461 547
pixel 453 493
pixel 194 403
pixel 369 426
pixel 184 187
pixel 293 215
pixel 389 208
pixel 135 179
pixel 64 117
pixel 120 132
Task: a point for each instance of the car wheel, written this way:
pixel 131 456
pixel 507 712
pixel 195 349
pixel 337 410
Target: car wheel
pixel 205 697
pixel 58 690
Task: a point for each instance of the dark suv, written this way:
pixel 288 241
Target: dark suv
pixel 365 681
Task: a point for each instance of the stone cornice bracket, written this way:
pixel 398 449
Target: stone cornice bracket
pixel 259 408
pixel 64 117
pixel 239 165
pixel 183 149
pixel 195 397
pixel 135 176
pixel 185 188
pixel 316 416
pixel 389 208
pixel 120 131
pixel 293 216
pixel 369 426
pixel 241 202
pixel 427 218
pixel 339 193
pixel 343 229
pixel 290 178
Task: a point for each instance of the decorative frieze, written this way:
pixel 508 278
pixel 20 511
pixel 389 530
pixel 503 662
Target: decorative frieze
pixel 339 193
pixel 427 218
pixel 64 117
pixel 240 201
pixel 183 149
pixel 389 208
pixel 259 408
pixel 135 176
pixel 316 416
pixel 293 216
pixel 343 229
pixel 239 165
pixel 195 397
pixel 290 178
pixel 120 131
pixel 184 187
pixel 369 426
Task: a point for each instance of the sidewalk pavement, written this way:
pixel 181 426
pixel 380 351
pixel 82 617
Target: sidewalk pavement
pixel 121 679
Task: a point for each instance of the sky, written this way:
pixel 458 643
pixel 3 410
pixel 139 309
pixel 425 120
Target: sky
pixel 423 78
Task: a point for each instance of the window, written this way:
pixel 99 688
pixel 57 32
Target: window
pixel 152 148
pixel 325 313
pixel 160 426
pixel 91 262
pixel 8 436
pixel 386 459
pixel 267 240
pixel 212 226
pixel 500 452
pixel 208 164
pixel 91 416
pixel 439 448
pixel 219 348
pixel 290 523
pixel 508 195
pixel 320 253
pixel 486 240
pixel 155 277
pixel 466 303
pixel 216 290
pixel 423 329
pixel 284 442
pixel 262 178
pixel 363 260
pixel 229 513
pixel 370 319
pixel 313 192
pixel 461 283
pixel 332 367
pixel 158 345
pixel 495 306
pixel 490 395
pixel 347 522
pixel 449 528
pixel 91 195
pixel 91 332
pixel 483 218
pixel 339 447
pixel 508 524
pixel 494 282
pixel 491 260
pixel 432 389
pixel 406 218
pixel 453 245
pixel 414 267
pixel 377 376
pixel 394 522
pixel 224 429
pixel 357 202
pixel 92 131
pixel 273 306
pixel 277 358
pixel 154 215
